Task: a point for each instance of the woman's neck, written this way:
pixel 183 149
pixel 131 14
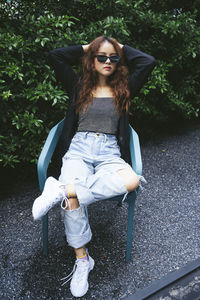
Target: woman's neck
pixel 102 82
pixel 103 91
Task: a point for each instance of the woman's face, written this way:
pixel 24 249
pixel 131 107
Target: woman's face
pixel 107 68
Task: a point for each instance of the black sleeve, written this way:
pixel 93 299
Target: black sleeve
pixel 142 65
pixel 62 60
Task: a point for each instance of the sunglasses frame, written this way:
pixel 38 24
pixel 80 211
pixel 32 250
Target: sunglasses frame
pixel 106 57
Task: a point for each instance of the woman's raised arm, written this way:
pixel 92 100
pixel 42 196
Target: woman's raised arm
pixel 62 59
pixel 142 65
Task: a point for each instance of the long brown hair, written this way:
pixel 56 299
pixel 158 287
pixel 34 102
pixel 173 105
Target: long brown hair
pixel 118 81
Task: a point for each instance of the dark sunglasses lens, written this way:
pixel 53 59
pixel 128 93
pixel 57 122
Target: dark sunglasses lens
pixel 114 59
pixel 101 58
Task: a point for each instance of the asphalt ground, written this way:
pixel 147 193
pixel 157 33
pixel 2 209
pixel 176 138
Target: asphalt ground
pixel 166 228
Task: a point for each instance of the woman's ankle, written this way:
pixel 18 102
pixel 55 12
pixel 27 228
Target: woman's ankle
pixel 70 204
pixel 80 252
pixel 70 191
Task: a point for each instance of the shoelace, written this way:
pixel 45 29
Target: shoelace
pixel 69 277
pixel 65 202
pixel 79 264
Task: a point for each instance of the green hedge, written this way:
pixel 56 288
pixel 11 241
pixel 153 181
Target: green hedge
pixel 31 101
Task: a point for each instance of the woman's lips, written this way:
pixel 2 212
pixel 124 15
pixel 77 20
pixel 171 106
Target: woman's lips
pixel 107 68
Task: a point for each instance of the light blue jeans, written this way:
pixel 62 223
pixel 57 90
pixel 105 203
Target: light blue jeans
pixel 91 164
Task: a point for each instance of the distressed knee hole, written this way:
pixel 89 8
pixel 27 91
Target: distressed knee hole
pixel 129 178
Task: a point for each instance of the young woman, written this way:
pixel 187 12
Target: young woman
pixel 95 139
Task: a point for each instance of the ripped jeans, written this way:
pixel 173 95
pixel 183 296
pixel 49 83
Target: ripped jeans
pixel 91 164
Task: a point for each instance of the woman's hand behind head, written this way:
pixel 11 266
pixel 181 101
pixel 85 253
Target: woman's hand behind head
pixel 85 47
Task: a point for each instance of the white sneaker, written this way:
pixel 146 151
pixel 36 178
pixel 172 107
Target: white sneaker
pixel 51 195
pixel 79 283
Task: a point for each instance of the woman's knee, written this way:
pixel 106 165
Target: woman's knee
pixel 130 179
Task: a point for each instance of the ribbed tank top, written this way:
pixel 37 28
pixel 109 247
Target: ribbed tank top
pixel 100 116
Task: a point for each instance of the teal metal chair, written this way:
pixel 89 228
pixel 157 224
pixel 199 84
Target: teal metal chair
pixel 43 163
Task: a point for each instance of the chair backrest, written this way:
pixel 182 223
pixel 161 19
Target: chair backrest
pixel 136 158
pixel 47 152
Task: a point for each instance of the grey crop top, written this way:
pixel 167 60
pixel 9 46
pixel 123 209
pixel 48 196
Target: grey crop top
pixel 100 116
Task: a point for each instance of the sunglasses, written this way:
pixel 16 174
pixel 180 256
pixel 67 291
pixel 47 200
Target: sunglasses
pixel 103 58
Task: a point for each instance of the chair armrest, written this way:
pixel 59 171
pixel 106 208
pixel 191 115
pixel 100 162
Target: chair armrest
pixel 47 152
pixel 136 158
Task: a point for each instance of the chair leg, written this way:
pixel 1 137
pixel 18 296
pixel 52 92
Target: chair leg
pixel 45 234
pixel 130 227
